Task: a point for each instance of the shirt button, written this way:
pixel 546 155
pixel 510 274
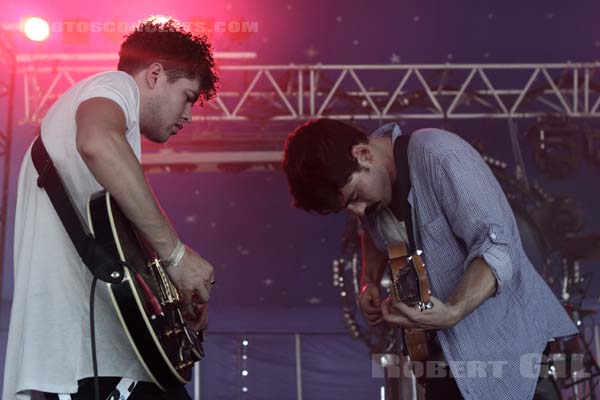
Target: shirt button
pixel 493 236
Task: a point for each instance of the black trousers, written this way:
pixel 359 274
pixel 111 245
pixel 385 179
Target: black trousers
pixel 141 391
pixel 447 389
pixel 442 388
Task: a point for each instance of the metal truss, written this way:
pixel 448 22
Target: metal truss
pixel 396 92
pixel 355 92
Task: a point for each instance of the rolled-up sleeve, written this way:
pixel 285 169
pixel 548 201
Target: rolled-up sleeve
pixel 477 211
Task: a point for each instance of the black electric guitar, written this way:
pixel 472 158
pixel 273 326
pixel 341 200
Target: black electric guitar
pixel 410 286
pixel 146 301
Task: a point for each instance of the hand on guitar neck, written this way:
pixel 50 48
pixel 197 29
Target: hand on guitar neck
pixel 369 302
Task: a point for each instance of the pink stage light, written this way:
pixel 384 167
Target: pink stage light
pixel 36 29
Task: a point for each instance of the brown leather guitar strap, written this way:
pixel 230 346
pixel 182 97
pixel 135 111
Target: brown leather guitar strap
pixel 397 254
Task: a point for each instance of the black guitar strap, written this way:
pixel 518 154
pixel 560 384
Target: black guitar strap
pixel 101 264
pixel 404 211
pixel 400 205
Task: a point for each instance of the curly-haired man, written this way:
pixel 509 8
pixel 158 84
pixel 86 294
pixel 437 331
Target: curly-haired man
pixel 92 133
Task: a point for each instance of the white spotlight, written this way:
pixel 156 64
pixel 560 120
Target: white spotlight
pixel 36 29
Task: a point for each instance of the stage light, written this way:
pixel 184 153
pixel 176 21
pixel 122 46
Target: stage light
pixel 36 29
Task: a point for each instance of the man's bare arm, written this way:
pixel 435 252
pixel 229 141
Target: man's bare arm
pixel 102 144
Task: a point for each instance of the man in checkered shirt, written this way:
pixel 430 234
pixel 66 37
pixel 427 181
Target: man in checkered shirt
pixel 493 314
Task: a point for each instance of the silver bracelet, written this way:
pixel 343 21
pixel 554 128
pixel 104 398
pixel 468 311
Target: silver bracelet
pixel 176 255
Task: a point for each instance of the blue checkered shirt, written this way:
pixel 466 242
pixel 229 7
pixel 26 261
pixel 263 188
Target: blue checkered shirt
pixel 460 212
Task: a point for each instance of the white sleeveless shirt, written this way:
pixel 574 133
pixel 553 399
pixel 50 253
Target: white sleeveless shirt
pixel 49 334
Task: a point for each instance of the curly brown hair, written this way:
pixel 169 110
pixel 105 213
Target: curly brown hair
pixel 181 53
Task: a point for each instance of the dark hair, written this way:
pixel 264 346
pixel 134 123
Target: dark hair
pixel 318 161
pixel 181 53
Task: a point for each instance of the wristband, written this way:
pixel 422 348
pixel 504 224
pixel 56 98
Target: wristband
pixel 176 256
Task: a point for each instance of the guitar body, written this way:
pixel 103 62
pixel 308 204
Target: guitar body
pixel 415 341
pixel 411 287
pixel 146 301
